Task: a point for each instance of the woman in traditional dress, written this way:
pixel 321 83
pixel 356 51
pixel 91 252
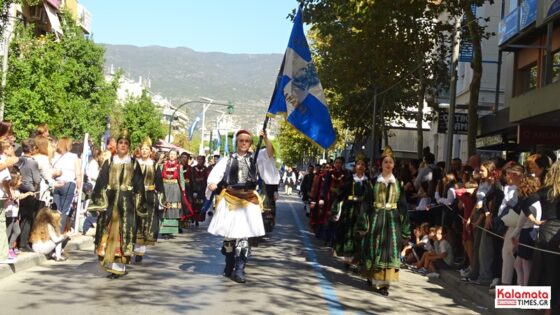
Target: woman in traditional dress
pixel 172 171
pixel 385 228
pixel 356 200
pixel 120 190
pixel 147 223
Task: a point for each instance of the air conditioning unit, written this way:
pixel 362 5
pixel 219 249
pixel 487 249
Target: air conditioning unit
pixel 36 13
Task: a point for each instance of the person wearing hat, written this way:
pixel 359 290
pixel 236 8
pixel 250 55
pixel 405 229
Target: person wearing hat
pixel 147 217
pixel 120 190
pixel 354 199
pixel 238 206
pixel 383 227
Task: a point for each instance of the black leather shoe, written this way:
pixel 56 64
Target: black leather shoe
pixel 383 291
pixel 238 279
pixel 138 259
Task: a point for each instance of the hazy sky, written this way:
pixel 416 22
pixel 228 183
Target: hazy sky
pixel 231 26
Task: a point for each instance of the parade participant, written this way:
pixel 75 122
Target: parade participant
pixel 199 176
pixel 383 229
pixel 289 179
pixel 305 190
pixel 330 195
pixel 172 170
pixel 270 178
pixel 186 185
pixel 318 212
pixel 147 217
pixel 357 199
pixel 120 190
pixel 238 206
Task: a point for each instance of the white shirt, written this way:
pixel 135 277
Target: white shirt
pixel 267 168
pixel 67 164
pixel 218 171
pixel 4 176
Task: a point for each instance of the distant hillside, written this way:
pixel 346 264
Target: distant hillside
pixel 181 74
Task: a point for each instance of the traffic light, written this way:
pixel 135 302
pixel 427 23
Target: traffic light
pixel 230 108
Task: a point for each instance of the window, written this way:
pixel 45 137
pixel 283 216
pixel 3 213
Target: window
pixel 528 78
pixel 556 66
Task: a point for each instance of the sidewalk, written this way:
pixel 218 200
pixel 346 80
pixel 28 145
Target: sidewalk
pixel 451 280
pixel 28 260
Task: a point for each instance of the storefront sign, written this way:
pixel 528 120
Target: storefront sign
pixel 489 141
pixel 509 26
pixel 546 10
pixel 538 135
pixel 527 13
pixel 460 127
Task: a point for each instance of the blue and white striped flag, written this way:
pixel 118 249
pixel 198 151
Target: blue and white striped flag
pixel 299 94
pixel 193 126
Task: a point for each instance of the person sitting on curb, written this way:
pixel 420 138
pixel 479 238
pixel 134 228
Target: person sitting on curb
pixel 441 258
pixel 45 235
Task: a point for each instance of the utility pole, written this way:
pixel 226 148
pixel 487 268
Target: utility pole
pixel 453 91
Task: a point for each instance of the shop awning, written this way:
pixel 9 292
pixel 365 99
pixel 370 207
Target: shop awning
pixel 54 20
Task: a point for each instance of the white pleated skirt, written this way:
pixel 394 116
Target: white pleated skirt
pixel 237 223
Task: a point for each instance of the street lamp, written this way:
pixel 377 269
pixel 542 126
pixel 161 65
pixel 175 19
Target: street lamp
pixel 180 106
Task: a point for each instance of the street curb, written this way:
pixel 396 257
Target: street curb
pixel 25 261
pixel 476 293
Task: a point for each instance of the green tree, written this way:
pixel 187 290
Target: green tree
pixel 392 47
pixel 142 119
pixel 58 82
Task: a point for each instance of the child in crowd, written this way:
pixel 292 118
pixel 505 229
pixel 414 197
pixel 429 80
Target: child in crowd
pixel 45 235
pixel 527 227
pixel 440 258
pixel 424 236
pixel 11 207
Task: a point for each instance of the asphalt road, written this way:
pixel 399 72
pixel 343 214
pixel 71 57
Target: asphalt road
pixel 288 273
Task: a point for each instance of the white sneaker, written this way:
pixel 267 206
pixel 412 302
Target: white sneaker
pixel 433 275
pixel 464 272
pixel 494 283
pixel 8 261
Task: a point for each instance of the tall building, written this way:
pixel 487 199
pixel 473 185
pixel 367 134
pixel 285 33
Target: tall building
pixel 529 42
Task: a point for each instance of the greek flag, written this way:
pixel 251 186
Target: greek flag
pixel 299 95
pixel 193 126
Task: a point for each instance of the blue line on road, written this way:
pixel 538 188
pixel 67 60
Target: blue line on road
pixel 333 303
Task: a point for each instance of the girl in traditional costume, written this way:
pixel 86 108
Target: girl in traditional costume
pixel 172 172
pixel 357 195
pixel 120 190
pixel 147 223
pixel 384 228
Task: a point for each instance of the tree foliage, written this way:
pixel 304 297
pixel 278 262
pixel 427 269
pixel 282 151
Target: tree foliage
pixel 392 47
pixel 142 119
pixel 58 82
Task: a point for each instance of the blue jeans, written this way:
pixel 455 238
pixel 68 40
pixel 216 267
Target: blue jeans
pixel 62 198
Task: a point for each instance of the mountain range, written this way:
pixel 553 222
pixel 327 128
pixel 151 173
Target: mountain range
pixel 182 74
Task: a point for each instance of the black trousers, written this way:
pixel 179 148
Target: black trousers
pixel 28 208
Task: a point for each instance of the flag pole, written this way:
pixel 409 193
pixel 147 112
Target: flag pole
pixel 265 123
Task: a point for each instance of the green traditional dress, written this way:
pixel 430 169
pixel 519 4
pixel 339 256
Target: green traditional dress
pixel 148 216
pixel 121 181
pixel 383 226
pixel 357 199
